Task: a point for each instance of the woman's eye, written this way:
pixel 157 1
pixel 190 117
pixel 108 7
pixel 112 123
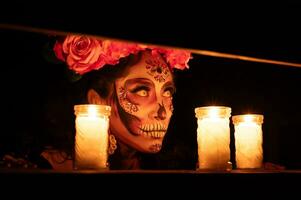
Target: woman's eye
pixel 142 93
pixel 167 93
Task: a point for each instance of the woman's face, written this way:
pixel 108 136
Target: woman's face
pixel 144 104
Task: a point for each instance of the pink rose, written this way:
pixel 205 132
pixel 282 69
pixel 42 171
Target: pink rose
pixel 81 53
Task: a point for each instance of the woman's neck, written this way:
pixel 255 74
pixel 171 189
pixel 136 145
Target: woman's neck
pixel 124 157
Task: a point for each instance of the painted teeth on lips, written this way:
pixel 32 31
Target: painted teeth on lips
pixel 153 127
pixel 153 130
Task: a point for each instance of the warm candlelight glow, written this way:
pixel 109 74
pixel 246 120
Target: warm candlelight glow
pixel 248 140
pixel 213 112
pixel 91 140
pixel 92 111
pixel 213 136
pixel 248 118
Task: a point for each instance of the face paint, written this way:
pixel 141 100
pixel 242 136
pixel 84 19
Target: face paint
pixel 161 112
pixel 158 69
pixel 155 148
pixel 144 104
pixel 126 104
pixel 171 107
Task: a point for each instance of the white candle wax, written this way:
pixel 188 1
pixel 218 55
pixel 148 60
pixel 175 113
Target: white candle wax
pixel 91 140
pixel 213 137
pixel 248 143
pixel 213 143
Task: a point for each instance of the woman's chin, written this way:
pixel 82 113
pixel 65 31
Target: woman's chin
pixel 153 146
pixel 148 144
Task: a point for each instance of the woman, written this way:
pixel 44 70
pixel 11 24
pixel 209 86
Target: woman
pixel 136 81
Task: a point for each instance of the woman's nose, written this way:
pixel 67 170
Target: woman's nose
pixel 161 112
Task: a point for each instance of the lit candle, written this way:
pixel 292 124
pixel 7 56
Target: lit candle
pixel 248 140
pixel 213 137
pixel 91 139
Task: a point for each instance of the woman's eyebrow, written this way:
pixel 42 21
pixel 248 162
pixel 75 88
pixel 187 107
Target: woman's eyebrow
pixel 139 80
pixel 169 84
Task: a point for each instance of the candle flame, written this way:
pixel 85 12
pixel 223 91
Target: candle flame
pixel 248 118
pixel 213 112
pixel 92 112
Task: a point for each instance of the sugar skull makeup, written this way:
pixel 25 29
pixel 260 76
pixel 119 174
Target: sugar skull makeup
pixel 144 104
pixel 135 80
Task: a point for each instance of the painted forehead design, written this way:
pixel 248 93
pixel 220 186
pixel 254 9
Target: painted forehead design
pixel 157 69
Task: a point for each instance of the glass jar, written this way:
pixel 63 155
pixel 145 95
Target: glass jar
pixel 91 138
pixel 248 140
pixel 213 137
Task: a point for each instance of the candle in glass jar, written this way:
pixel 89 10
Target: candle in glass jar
pixel 248 140
pixel 91 139
pixel 213 137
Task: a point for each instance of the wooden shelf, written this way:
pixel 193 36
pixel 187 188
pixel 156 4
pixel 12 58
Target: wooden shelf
pixel 196 172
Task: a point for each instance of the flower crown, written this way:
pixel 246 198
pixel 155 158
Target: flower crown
pixel 84 54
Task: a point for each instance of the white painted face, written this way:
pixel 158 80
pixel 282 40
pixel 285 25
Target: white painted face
pixel 144 104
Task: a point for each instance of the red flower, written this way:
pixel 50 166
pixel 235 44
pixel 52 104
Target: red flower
pixel 178 58
pixel 81 53
pixel 114 50
pixel 84 54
